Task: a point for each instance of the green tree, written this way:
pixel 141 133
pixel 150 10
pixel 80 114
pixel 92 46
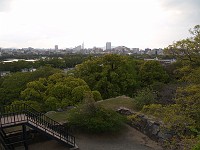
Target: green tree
pixel 56 91
pixel 52 103
pixel 188 49
pixel 189 100
pixel 33 104
pixel 111 75
pixel 15 83
pixel 35 90
pixel 96 95
pixel 152 71
pixel 78 93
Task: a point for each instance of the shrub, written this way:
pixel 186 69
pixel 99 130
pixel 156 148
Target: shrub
pixel 153 109
pixel 144 97
pixel 196 147
pixel 95 119
pixel 96 95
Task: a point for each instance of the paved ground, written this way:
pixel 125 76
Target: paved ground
pixel 129 139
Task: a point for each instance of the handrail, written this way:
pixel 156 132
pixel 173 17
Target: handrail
pixel 4 141
pixel 39 119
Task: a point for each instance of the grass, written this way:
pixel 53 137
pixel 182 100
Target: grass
pixel 115 103
pixel 58 116
pixel 112 103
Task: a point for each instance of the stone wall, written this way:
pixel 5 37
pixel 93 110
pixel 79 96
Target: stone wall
pixel 153 129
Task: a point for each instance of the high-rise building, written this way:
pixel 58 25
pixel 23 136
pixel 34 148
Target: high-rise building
pixel 56 47
pixel 83 45
pixel 108 45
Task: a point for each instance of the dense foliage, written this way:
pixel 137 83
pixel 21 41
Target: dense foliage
pixel 57 91
pixel 12 85
pixel 152 71
pixel 144 97
pixel 92 118
pixel 111 75
pixel 184 115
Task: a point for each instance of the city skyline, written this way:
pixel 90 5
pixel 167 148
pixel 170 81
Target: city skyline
pixel 67 23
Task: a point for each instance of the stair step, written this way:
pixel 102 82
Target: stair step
pixel 21 114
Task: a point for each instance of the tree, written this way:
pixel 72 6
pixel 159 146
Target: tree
pixel 152 71
pixel 187 49
pixel 55 92
pixel 111 75
pixel 33 104
pixel 96 95
pixel 78 93
pixel 189 99
pixel 52 103
pixel 15 83
pixel 35 90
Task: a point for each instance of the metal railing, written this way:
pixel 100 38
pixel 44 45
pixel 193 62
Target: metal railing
pixel 23 113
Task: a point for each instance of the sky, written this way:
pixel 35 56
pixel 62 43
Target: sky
pixel 69 23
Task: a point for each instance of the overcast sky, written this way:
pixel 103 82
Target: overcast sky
pixel 68 23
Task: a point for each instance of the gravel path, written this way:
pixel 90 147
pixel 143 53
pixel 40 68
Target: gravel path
pixel 128 139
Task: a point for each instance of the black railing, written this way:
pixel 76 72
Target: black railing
pixel 5 140
pixel 20 113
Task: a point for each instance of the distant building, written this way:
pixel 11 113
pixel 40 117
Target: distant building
pixel 162 61
pixel 147 50
pixel 83 45
pixel 135 50
pixel 155 51
pixel 121 50
pixel 56 47
pixel 77 49
pixel 108 45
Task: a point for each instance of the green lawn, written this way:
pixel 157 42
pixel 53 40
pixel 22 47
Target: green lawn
pixel 115 103
pixel 112 103
pixel 58 116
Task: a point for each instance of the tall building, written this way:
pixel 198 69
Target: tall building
pixel 108 45
pixel 56 47
pixel 83 45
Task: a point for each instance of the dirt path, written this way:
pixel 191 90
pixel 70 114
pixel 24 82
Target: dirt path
pixel 128 139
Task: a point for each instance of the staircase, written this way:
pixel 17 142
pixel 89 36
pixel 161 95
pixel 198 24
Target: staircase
pixel 24 114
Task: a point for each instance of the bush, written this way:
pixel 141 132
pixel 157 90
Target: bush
pixel 95 119
pixel 144 97
pixel 153 109
pixel 197 146
pixel 96 95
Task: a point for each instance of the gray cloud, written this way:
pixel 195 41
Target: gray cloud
pixel 189 8
pixel 5 5
pixel 180 3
